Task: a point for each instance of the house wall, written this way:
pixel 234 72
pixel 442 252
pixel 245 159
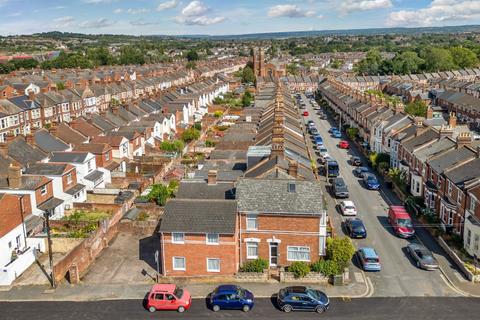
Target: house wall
pixel 49 194
pixel 196 251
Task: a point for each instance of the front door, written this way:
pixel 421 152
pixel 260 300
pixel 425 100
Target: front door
pixel 273 254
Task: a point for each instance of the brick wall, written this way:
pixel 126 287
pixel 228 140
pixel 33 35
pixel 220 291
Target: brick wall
pixel 196 251
pixel 42 198
pixel 73 182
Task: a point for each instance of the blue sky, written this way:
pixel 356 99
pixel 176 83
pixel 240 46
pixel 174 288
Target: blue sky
pixel 227 16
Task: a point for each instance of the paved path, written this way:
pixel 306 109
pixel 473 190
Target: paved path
pixel 358 309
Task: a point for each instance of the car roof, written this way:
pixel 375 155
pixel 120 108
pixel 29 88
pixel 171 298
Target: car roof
pixel 356 221
pixel 369 252
pixel 348 203
pixel 296 289
pixel 369 175
pixel 163 287
pixel 227 288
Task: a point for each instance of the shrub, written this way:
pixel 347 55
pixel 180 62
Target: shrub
pixel 340 250
pixel 299 268
pixel 218 114
pixel 198 126
pixel 210 143
pixel 383 166
pixel 352 133
pixel 257 265
pixel 190 135
pixel 326 267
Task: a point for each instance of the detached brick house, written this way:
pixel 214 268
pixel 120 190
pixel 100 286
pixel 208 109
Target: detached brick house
pixel 281 221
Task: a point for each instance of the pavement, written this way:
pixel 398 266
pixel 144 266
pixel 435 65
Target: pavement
pixel 399 275
pixel 340 309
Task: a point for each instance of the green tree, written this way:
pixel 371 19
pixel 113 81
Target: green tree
pixel 248 75
pixel 292 69
pixel 190 134
pixel 192 55
pixel 464 57
pixel 371 64
pixel 25 63
pixel 60 85
pixel 417 108
pixel 191 65
pixel 437 59
pixel 407 62
pixel 340 250
pixel 247 99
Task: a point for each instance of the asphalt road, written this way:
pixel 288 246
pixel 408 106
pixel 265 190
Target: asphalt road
pixel 358 309
pixel 399 275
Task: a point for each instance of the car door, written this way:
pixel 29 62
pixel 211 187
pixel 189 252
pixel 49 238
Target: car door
pixel 235 302
pixel 158 301
pixel 306 302
pixel 170 302
pixel 221 300
pixel 295 301
pixel 348 227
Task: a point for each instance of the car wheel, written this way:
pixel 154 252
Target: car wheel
pixel 287 308
pixel 152 309
pixel 246 308
pixel 181 309
pixel 216 308
pixel 319 309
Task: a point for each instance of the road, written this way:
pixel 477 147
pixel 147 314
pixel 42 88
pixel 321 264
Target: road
pixel 399 275
pixel 358 309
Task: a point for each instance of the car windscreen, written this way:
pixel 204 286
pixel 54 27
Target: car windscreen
pixel 313 294
pixel 178 292
pixel 371 260
pixel 405 222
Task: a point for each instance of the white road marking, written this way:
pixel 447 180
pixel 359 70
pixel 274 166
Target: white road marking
pixel 359 277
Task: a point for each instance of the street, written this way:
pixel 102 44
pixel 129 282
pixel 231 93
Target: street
pixel 399 276
pixel 358 309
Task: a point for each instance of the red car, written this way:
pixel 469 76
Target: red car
pixel 343 144
pixel 168 297
pixel 305 113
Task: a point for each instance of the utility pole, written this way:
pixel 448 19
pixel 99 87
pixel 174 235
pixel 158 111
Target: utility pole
pixel 50 254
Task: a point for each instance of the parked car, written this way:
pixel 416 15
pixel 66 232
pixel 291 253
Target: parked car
pixel 318 140
pixel 355 228
pixel 348 208
pixel 359 171
pixel 340 189
pixel 369 259
pixel 322 150
pixel 356 161
pixel 401 222
pixel 336 134
pixel 423 257
pixel 343 144
pixel 310 122
pixel 231 297
pixel 370 181
pixel 332 129
pixel 168 297
pixel 305 113
pixel 302 299
pixel 313 130
pixel 323 116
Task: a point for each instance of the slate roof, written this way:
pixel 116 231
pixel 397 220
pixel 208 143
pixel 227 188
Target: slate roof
pixel 24 153
pixel 94 175
pixel 199 216
pixel 69 135
pixel 273 196
pixel 200 189
pixel 73 157
pixel 449 158
pixel 48 169
pixel 49 143
pixel 420 140
pixel 464 173
pixel 435 148
pixel 75 189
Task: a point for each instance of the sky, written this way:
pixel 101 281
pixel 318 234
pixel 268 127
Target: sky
pixel 219 17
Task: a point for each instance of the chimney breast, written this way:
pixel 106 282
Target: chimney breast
pixel 212 177
pixel 14 176
pixel 464 139
pixel 293 169
pixel 452 120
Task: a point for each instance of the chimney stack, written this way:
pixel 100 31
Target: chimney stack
pixel 293 169
pixel 429 112
pixel 14 177
pixel 445 131
pixel 277 147
pixel 212 177
pixel 31 95
pixel 464 139
pixel 30 138
pixel 452 120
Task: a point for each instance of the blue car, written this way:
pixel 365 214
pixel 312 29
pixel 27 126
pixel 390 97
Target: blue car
pixel 370 181
pixel 332 129
pixel 369 259
pixel 336 134
pixel 318 140
pixel 231 297
pixel 302 299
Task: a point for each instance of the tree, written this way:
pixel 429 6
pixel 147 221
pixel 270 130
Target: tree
pixel 191 65
pixel 25 63
pixel 463 57
pixel 407 62
pixel 190 135
pixel 437 59
pixel 247 99
pixel 417 108
pixel 60 85
pixel 292 69
pixel 172 146
pixel 371 63
pixel 192 55
pixel 340 250
pixel 248 75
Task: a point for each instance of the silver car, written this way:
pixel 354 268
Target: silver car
pixel 423 257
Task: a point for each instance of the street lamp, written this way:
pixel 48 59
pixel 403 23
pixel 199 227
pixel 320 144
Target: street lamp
pixel 50 254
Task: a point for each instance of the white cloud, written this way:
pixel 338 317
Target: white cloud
pixel 63 22
pixel 437 12
pixel 137 10
pixel 288 10
pixel 167 5
pixel 347 6
pixel 99 23
pixel 141 22
pixel 99 1
pixel 195 13
pixel 118 10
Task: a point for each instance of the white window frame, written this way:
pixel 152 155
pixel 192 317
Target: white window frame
pixel 252 244
pixel 459 196
pixel 174 267
pixel 69 178
pixel 473 205
pixel 251 217
pixel 213 270
pixel 44 190
pixel 298 248
pixel 208 240
pixel 449 188
pixel 178 241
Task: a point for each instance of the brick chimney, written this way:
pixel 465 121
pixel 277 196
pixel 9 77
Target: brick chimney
pixel 464 139
pixel 14 177
pixel 398 107
pixel 31 95
pixel 54 128
pixel 212 177
pixel 293 169
pixel 452 120
pixel 30 138
pixel 4 148
pixel 445 131
pixel 278 147
pixel 429 112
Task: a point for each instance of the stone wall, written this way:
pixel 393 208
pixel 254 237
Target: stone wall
pixel 312 277
pixel 457 261
pixel 252 276
pixel 64 245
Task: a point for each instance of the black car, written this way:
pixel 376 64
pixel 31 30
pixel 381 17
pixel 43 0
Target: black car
pixel 355 228
pixel 340 189
pixel 302 299
pixel 356 161
pixel 313 131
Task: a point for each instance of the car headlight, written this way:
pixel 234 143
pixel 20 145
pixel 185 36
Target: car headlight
pixel 249 301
